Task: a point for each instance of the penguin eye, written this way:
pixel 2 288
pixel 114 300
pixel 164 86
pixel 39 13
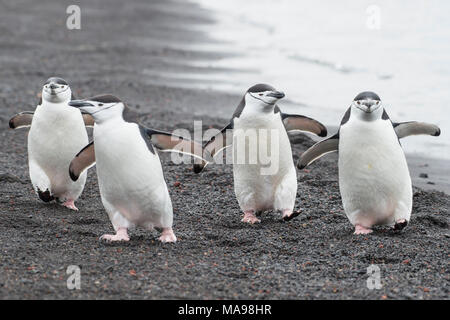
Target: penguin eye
pixel 100 104
pixel 260 94
pixel 358 102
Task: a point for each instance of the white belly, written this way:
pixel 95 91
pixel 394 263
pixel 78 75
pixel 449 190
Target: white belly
pixel 374 178
pixel 130 177
pixel 262 162
pixel 56 135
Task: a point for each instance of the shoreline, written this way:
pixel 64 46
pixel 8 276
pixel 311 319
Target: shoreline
pixel 429 174
pixel 314 256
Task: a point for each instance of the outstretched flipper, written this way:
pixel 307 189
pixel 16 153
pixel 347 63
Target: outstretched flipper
pixel 405 129
pixel 21 120
pixel 318 150
pixel 212 147
pixel 82 161
pixel 295 122
pixel 168 142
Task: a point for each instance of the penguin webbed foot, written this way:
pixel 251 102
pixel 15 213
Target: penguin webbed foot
pixel 250 217
pixel 167 235
pixel 359 229
pixel 288 215
pixel 70 204
pixel 121 235
pixel 400 224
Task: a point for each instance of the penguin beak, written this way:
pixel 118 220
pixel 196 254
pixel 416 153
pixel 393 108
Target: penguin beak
pixel 276 94
pixel 368 106
pixel 51 89
pixel 80 104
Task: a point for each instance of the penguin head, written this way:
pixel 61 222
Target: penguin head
pixel 102 107
pixel 367 106
pixel 262 97
pixel 56 90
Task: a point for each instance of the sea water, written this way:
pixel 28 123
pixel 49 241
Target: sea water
pixel 323 53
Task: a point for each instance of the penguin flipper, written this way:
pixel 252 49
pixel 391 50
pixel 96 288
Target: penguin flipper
pixel 318 150
pixel 82 161
pixel 88 119
pixel 168 142
pixel 21 120
pixel 296 122
pixel 213 146
pixel 405 129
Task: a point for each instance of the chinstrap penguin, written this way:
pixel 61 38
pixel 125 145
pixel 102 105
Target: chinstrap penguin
pixel 130 176
pixel 374 178
pixel 259 129
pixel 57 132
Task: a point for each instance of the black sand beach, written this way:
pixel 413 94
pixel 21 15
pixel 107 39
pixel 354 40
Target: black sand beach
pixel 313 256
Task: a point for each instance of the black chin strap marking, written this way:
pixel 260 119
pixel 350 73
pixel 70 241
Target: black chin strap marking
pixel 270 104
pixel 103 109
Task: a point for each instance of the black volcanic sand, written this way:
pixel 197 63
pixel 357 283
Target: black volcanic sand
pixel 315 255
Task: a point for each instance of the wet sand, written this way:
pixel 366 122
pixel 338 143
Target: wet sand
pixel 313 256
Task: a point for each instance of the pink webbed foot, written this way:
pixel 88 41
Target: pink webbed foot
pixel 400 224
pixel 70 204
pixel 249 217
pixel 121 235
pixel 167 235
pixel 289 214
pixel 362 230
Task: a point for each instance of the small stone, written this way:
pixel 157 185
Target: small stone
pixel 9 178
pixel 109 268
pixel 423 175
